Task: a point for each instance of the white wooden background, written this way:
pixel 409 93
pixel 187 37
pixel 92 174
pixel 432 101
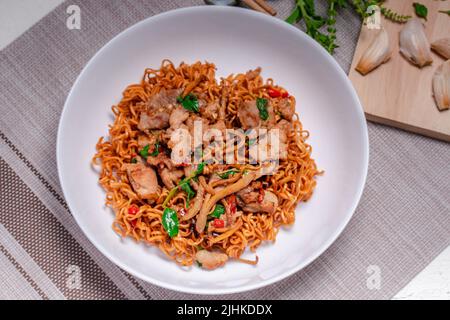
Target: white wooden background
pixel 16 16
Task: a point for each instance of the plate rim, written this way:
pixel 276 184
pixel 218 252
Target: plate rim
pixel 251 286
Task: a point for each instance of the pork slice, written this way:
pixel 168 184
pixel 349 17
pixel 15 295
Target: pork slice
pixel 249 202
pixel 143 180
pixel 153 120
pixel 177 117
pixel 248 114
pixel 287 108
pixel 159 108
pixel 170 177
pixel 210 260
pixel 145 140
pixel 252 74
pixel 247 195
pixel 210 111
pixel 285 128
pixel 166 98
pixel 160 161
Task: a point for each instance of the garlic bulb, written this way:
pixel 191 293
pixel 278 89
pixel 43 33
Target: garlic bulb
pixel 414 44
pixel 441 86
pixel 377 53
pixel 442 47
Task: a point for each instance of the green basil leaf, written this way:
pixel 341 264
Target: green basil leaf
pixel 134 160
pixel 443 11
pixel 144 152
pixel 218 211
pixel 190 102
pixel 421 10
pixel 261 104
pixel 226 174
pixel 170 222
pixel 200 168
pixel 186 187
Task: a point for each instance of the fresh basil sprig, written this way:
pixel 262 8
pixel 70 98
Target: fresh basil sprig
pixel 170 222
pixel 305 10
pixel 322 28
pixel 189 102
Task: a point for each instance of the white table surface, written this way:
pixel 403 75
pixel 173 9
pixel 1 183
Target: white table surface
pixel 16 16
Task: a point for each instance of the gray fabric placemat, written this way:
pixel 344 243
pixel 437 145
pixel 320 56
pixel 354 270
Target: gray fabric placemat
pixel 401 224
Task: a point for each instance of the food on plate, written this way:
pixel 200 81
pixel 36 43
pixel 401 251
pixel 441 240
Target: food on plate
pixel 200 209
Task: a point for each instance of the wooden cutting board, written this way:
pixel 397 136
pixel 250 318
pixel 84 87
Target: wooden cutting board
pixel 397 93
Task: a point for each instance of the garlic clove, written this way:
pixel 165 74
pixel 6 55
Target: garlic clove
pixel 377 53
pixel 414 44
pixel 441 86
pixel 442 47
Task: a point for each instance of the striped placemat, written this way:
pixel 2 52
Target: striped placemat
pixel 401 224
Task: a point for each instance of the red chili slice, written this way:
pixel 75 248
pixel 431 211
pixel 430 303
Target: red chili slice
pixel 285 94
pixel 232 203
pixel 261 195
pixel 273 93
pixel 218 223
pixel 133 210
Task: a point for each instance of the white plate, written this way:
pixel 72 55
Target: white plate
pixel 235 40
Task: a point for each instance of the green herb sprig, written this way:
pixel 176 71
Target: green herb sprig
pixel 322 28
pixel 305 10
pixel 394 16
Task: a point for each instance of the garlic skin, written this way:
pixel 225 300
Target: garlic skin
pixel 441 86
pixel 377 53
pixel 414 44
pixel 442 47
